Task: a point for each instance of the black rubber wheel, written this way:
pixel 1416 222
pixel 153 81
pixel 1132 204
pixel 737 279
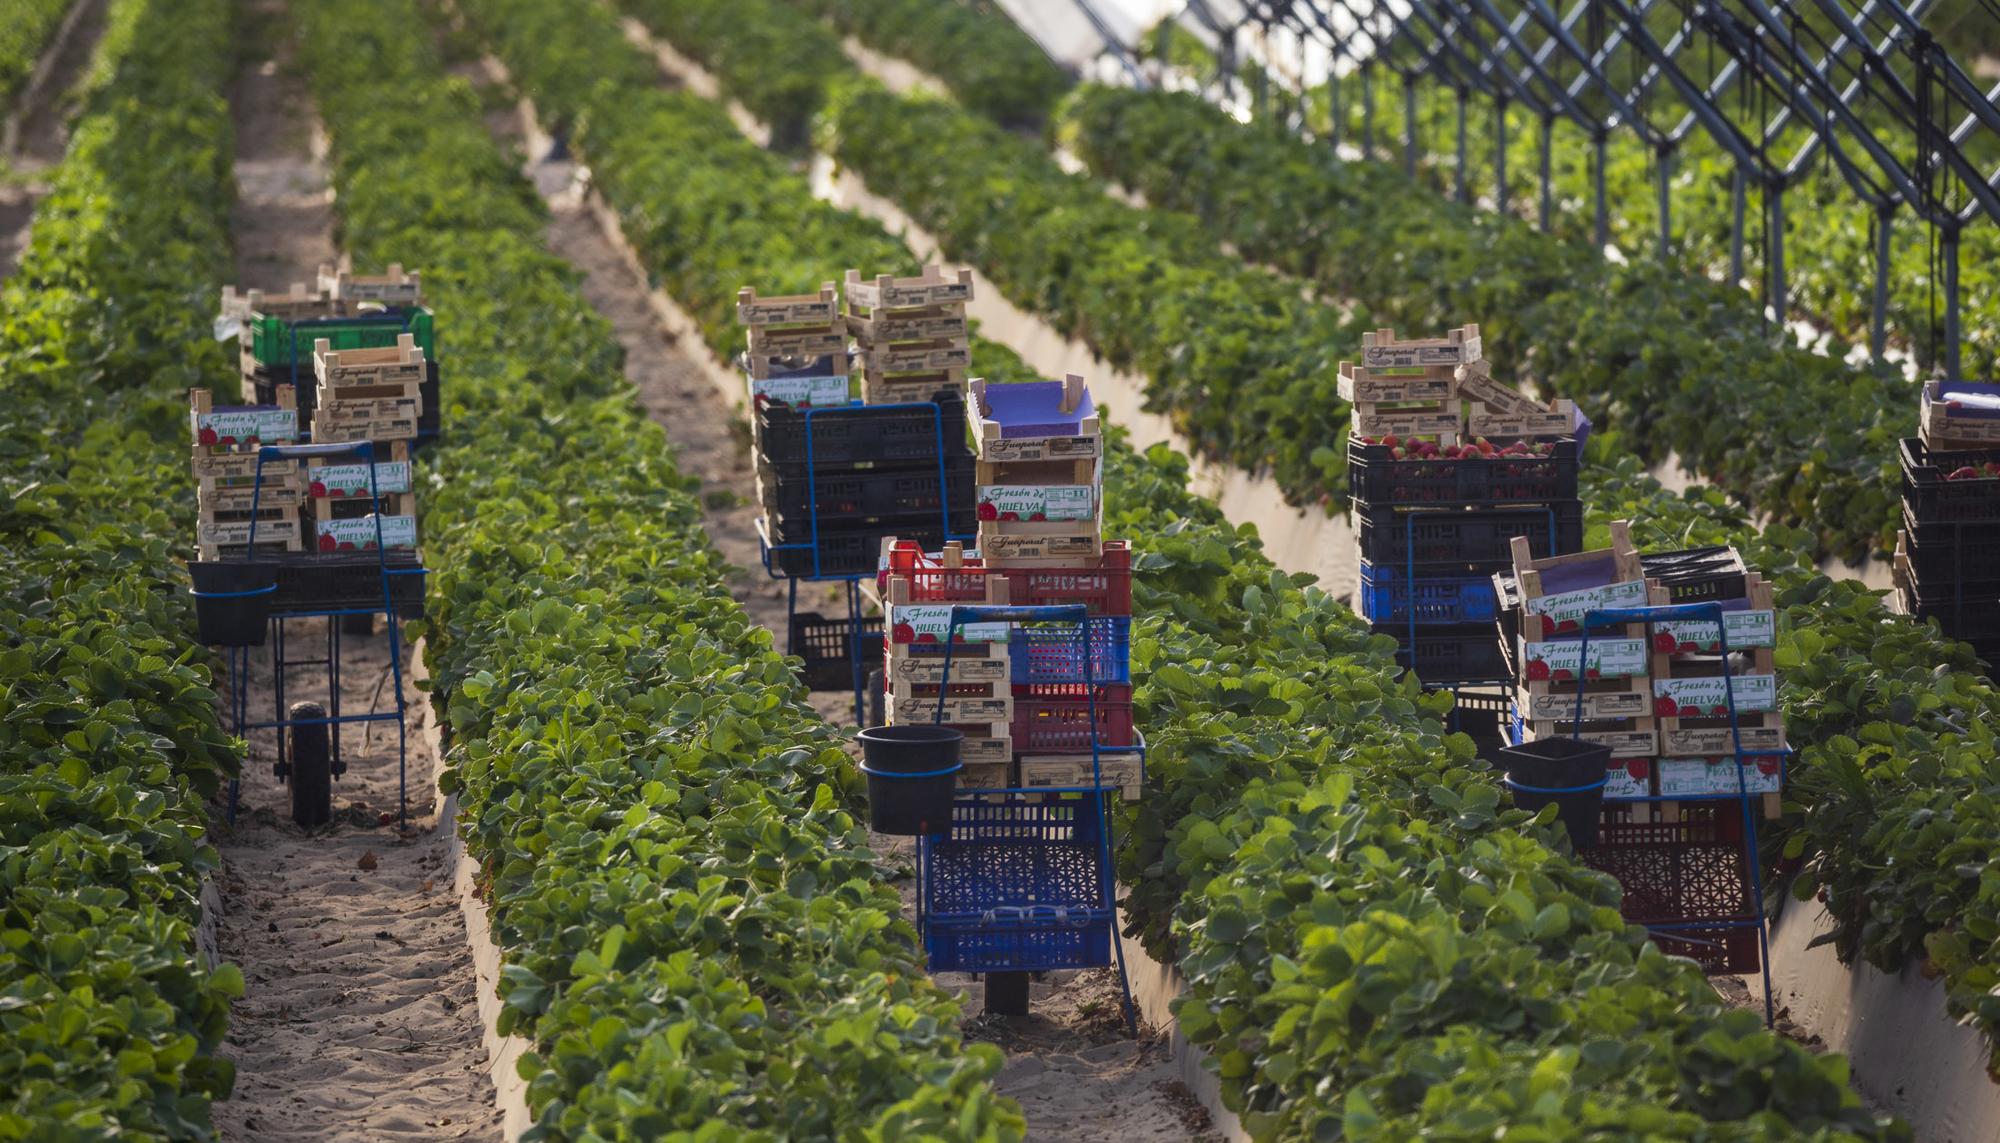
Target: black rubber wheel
pixel 312 768
pixel 1007 993
pixel 363 624
pixel 878 703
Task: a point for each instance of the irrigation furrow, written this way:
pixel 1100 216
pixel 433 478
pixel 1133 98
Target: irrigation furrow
pixel 358 1020
pixel 38 128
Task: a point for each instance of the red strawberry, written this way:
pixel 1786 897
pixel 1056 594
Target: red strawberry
pixel 1010 515
pixel 1690 712
pixel 1549 626
pixel 928 637
pixel 229 440
pixel 1391 440
pixel 1570 625
pixel 1688 647
pixel 208 436
pixel 1663 642
pixel 902 633
pixel 318 488
pixel 328 543
pixel 1564 674
pixel 1720 708
pixel 1965 472
pixel 989 511
pixel 1639 768
pixel 1954 406
pixel 1767 765
pixel 1537 670
pixel 1664 707
pixel 347 545
pixel 1592 673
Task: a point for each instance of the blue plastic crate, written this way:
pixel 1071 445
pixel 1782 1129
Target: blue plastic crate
pixel 1387 595
pixel 1048 653
pixel 1018 884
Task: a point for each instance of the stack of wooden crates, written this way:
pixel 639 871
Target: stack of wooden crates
pixel 911 336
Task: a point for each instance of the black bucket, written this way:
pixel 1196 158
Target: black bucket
pixel 232 600
pixel 912 771
pixel 1566 771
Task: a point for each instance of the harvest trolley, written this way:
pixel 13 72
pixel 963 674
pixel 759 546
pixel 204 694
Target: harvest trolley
pixel 1022 880
pixel 300 767
pixel 1694 882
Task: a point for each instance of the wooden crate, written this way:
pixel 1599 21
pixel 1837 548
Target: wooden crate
pixel 1617 699
pixel 296 304
pixel 398 364
pixel 1563 612
pixel 398 428
pixel 797 340
pixel 1125 773
pixel 821 309
pixel 358 533
pixel 1360 384
pixel 238 428
pixel 764 367
pixel 1381 349
pixel 1476 383
pixel 215 538
pixel 1005 542
pixel 925 323
pixel 218 499
pixel 220 468
pixel 934 287
pixel 919 702
pixel 908 388
pixel 394 288
pixel 990 445
pixel 1085 471
pixel 1627 737
pixel 986 743
pixel 1968 426
pixel 1557 420
pixel 343 478
pixel 985 663
pixel 1436 420
pixel 887 362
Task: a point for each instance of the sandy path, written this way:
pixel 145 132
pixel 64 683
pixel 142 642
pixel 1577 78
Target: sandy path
pixel 43 126
pixel 1071 1065
pixel 359 1020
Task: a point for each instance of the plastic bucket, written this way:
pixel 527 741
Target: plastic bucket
pixel 912 771
pixel 232 601
pixel 1565 771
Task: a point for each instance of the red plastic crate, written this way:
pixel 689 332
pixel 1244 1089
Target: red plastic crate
pixel 1104 587
pixel 1054 718
pixel 1682 872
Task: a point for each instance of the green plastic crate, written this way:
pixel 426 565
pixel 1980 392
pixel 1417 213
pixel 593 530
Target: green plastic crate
pixel 271 337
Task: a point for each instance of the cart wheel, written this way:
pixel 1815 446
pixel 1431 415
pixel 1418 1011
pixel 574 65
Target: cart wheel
pixel 1007 993
pixel 878 686
pixel 363 624
pixel 312 767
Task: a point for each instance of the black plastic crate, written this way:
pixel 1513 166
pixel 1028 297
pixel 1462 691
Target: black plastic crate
pixel 798 529
pixel 1683 873
pixel 1930 497
pixel 1458 653
pixel 1467 541
pixel 1961 551
pixel 859 433
pixel 846 491
pixel 826 644
pixel 1380 481
pixel 311 581
pixel 1699 575
pixel 850 551
pixel 1963 611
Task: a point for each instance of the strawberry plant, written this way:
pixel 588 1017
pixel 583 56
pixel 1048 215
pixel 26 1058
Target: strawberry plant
pixel 970 46
pixel 27 31
pixel 109 740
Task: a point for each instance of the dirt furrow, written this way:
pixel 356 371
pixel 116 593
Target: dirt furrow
pixel 359 1021
pixel 37 129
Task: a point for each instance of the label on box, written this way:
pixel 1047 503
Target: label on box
pixel 1609 659
pixel 1700 637
pixel 1696 777
pixel 1482 422
pixel 1362 385
pixel 928 623
pixel 1037 502
pixel 1013 547
pixel 256 425
pixel 336 481
pixel 358 533
pixel 1629 779
pixel 1412 354
pixel 1564 612
pixel 801 392
pixel 1705 697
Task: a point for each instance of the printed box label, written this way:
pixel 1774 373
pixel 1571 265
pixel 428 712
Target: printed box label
pixel 1037 502
pixel 1609 659
pixel 337 481
pixel 1700 636
pixel 1706 698
pixel 928 623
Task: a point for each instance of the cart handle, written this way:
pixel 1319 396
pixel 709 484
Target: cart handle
pixel 356 448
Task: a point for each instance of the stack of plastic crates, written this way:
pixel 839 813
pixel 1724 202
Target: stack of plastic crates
pixel 1447 467
pixel 835 477
pixel 1947 564
pixel 1021 883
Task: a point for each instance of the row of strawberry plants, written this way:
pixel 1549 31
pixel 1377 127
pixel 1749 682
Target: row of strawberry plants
pixel 1251 680
pixel 1829 241
pixel 971 46
pixel 109 735
pixel 29 27
pixel 1869 671
pixel 695 930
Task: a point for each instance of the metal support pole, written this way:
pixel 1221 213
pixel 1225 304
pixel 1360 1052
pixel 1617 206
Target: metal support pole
pixel 1410 126
pixel 1738 192
pixel 1500 156
pixel 1878 321
pixel 1775 242
pixel 1948 248
pixel 1332 102
pixel 1464 184
pixel 1548 180
pixel 1597 180
pixel 1367 113
pixel 1665 164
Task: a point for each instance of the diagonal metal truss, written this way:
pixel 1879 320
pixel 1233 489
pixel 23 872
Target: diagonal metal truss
pixel 1784 88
